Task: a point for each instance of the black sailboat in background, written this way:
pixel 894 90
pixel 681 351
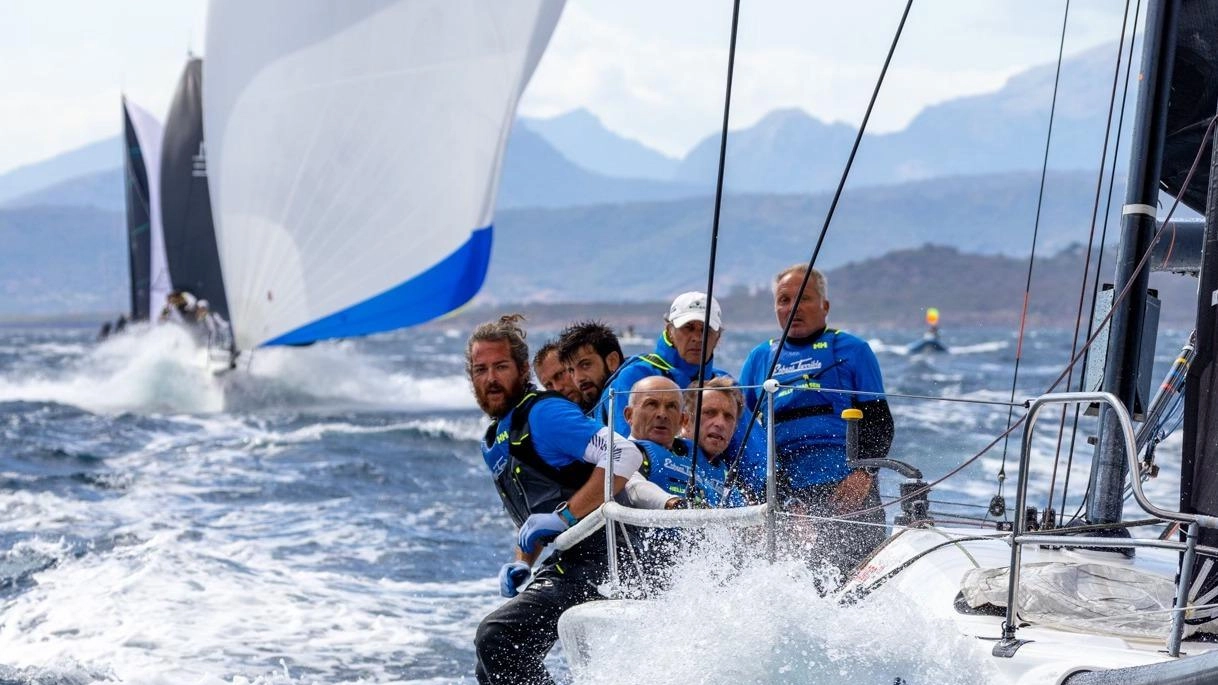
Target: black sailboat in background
pixel 190 234
pixel 145 238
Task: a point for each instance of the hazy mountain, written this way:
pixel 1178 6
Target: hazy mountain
pixel 631 252
pixel 581 137
pixel 624 252
pixel 537 175
pixel 59 260
pixel 99 156
pixel 790 151
pixel 101 189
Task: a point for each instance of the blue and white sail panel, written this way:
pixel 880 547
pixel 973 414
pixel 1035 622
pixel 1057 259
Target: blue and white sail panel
pixel 355 153
pixel 150 282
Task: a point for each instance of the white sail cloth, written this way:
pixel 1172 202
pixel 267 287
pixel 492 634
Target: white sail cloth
pixel 354 150
pixel 148 131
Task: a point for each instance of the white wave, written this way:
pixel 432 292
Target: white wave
pixel 162 369
pixel 765 623
pixel 150 369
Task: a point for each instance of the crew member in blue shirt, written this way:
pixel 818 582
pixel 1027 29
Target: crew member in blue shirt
pixel 809 432
pixel 548 461
pixel 677 354
pixel 591 352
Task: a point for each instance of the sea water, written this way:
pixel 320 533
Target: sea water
pixel 323 515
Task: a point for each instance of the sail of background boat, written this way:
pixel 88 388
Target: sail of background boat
pixel 355 153
pixel 190 236
pixel 147 263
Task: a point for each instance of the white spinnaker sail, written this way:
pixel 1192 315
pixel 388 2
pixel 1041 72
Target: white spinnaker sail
pixel 354 151
pixel 148 130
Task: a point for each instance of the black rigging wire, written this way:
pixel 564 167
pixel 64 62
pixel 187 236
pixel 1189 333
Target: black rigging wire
pixel 820 239
pixel 1040 201
pixel 714 245
pixel 1133 37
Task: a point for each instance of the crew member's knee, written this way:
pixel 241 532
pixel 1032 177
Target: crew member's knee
pixel 491 639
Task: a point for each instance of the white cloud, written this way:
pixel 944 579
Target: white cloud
pixel 65 63
pixel 655 71
pixel 651 69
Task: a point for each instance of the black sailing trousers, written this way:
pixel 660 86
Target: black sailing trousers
pixel 513 640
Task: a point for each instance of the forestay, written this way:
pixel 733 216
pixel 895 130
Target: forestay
pixel 355 154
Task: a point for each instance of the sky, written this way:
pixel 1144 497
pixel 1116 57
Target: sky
pixel 652 70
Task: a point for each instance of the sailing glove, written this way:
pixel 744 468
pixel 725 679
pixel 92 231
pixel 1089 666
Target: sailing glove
pixel 511 576
pixel 538 530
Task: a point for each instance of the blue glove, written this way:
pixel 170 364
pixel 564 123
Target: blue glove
pixel 539 529
pixel 511 576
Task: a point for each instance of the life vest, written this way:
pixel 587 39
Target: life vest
pixel 807 423
pixel 526 483
pixel 669 469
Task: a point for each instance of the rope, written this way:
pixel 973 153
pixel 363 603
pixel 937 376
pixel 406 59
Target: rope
pixel 1095 284
pixel 729 480
pixel 710 272
pixel 1040 200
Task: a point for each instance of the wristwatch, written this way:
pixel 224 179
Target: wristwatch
pixel 565 514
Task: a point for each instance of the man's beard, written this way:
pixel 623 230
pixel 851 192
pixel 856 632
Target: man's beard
pixel 497 407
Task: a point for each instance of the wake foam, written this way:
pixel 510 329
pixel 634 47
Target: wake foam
pixel 163 369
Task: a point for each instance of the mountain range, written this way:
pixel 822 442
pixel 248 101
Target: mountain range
pixel 634 223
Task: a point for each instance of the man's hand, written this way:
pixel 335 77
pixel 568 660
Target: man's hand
pixel 511 576
pixel 851 492
pixel 538 530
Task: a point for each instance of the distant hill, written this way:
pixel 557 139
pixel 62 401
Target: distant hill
pixel 99 156
pixel 580 136
pixel 60 260
pixel 101 189
pixel 623 252
pixel 892 291
pixel 633 251
pixel 535 174
pixel 790 151
pixel 573 160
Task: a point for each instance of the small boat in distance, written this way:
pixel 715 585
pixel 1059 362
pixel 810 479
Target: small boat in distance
pixel 930 342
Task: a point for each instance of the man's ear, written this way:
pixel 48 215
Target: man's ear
pixel 627 412
pixel 613 361
pixel 826 306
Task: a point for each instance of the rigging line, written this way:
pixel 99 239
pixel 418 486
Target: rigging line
pixel 1095 283
pixel 714 246
pixel 1120 297
pixel 1117 299
pixel 1082 291
pixel 1040 201
pixel 837 194
pixel 842 391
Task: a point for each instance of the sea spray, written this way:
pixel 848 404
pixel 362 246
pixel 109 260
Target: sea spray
pixel 751 621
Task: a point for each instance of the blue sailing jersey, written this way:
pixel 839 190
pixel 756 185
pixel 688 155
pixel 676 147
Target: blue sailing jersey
pixel 808 428
pixel 665 361
pixel 559 430
pixel 669 469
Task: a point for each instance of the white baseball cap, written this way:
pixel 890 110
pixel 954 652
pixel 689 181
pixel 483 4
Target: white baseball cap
pixel 691 306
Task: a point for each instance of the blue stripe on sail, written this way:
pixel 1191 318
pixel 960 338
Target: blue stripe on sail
pixel 433 293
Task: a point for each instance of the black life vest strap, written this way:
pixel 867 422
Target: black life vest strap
pixel 520 443
pixel 802 412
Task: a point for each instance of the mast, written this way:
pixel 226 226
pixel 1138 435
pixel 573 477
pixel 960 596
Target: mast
pixel 1109 468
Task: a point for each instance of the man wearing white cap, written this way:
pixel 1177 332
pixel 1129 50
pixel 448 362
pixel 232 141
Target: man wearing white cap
pixel 677 355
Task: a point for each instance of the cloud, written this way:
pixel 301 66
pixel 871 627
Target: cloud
pixel 666 88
